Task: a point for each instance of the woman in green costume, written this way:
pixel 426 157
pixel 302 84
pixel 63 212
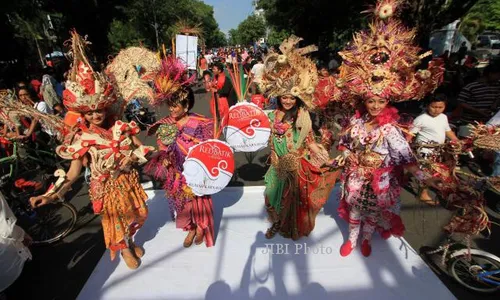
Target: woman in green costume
pixel 297 183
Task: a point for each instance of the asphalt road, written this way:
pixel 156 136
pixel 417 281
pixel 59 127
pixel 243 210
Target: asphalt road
pixel 59 271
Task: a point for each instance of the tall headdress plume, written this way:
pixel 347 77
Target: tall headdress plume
pixel 86 90
pixel 171 82
pixel 382 61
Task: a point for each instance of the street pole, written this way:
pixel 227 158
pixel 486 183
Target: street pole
pixel 39 52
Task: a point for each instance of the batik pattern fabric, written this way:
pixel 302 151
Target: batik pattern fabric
pixel 166 166
pixel 116 195
pixel 371 188
pixel 296 187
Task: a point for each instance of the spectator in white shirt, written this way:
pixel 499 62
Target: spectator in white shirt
pixel 209 58
pixel 13 246
pixel 432 127
pixel 257 72
pixel 27 98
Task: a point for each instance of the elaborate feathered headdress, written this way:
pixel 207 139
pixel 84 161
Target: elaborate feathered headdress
pixel 86 90
pixel 382 61
pixel 171 82
pixel 291 72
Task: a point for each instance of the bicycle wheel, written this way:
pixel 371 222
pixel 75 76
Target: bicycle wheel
pixel 49 223
pixel 466 271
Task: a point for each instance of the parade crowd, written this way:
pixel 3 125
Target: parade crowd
pixel 364 90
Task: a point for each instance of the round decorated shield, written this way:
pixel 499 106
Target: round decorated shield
pixel 209 167
pixel 248 128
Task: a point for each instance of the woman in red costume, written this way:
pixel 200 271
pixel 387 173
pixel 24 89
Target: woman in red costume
pixel 222 90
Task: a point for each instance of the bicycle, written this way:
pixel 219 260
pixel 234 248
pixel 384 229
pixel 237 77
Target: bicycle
pixel 46 224
pixel 25 158
pixel 474 269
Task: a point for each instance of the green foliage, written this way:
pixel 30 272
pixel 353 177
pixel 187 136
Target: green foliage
pixel 123 35
pixel 484 15
pixel 276 37
pixel 109 24
pixel 250 30
pixel 233 37
pixel 29 30
pixel 26 23
pixel 218 39
pixel 146 15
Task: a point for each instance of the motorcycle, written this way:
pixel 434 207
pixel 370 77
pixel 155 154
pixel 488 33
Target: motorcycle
pixel 135 111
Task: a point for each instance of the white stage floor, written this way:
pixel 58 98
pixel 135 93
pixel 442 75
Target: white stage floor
pixel 238 267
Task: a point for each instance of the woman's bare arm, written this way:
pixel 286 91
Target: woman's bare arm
pixel 71 177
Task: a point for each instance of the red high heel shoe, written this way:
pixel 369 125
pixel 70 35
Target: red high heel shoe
pixel 366 248
pixel 346 248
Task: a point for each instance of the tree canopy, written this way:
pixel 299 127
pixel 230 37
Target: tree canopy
pixel 331 23
pixel 109 25
pixel 485 15
pixel 249 31
pixel 154 22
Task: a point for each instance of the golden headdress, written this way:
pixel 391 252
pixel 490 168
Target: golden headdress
pixel 291 72
pixel 381 61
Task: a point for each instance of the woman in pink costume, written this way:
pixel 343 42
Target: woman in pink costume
pixel 379 67
pixel 175 135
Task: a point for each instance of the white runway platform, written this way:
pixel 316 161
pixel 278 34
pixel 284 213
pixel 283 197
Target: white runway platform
pixel 238 267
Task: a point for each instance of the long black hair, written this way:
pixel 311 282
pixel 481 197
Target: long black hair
pixel 293 113
pixel 188 101
pixel 31 93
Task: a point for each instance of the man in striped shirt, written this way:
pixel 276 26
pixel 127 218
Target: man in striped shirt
pixel 479 100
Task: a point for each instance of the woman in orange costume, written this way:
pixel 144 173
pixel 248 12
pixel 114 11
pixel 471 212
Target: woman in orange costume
pixel 109 149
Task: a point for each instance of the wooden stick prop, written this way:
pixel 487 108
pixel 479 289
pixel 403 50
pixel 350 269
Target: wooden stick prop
pixel 217 124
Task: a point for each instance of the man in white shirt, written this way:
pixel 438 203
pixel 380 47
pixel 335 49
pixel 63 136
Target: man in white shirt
pixel 257 72
pixel 43 107
pixel 26 98
pixel 209 58
pixel 13 246
pixel 432 127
